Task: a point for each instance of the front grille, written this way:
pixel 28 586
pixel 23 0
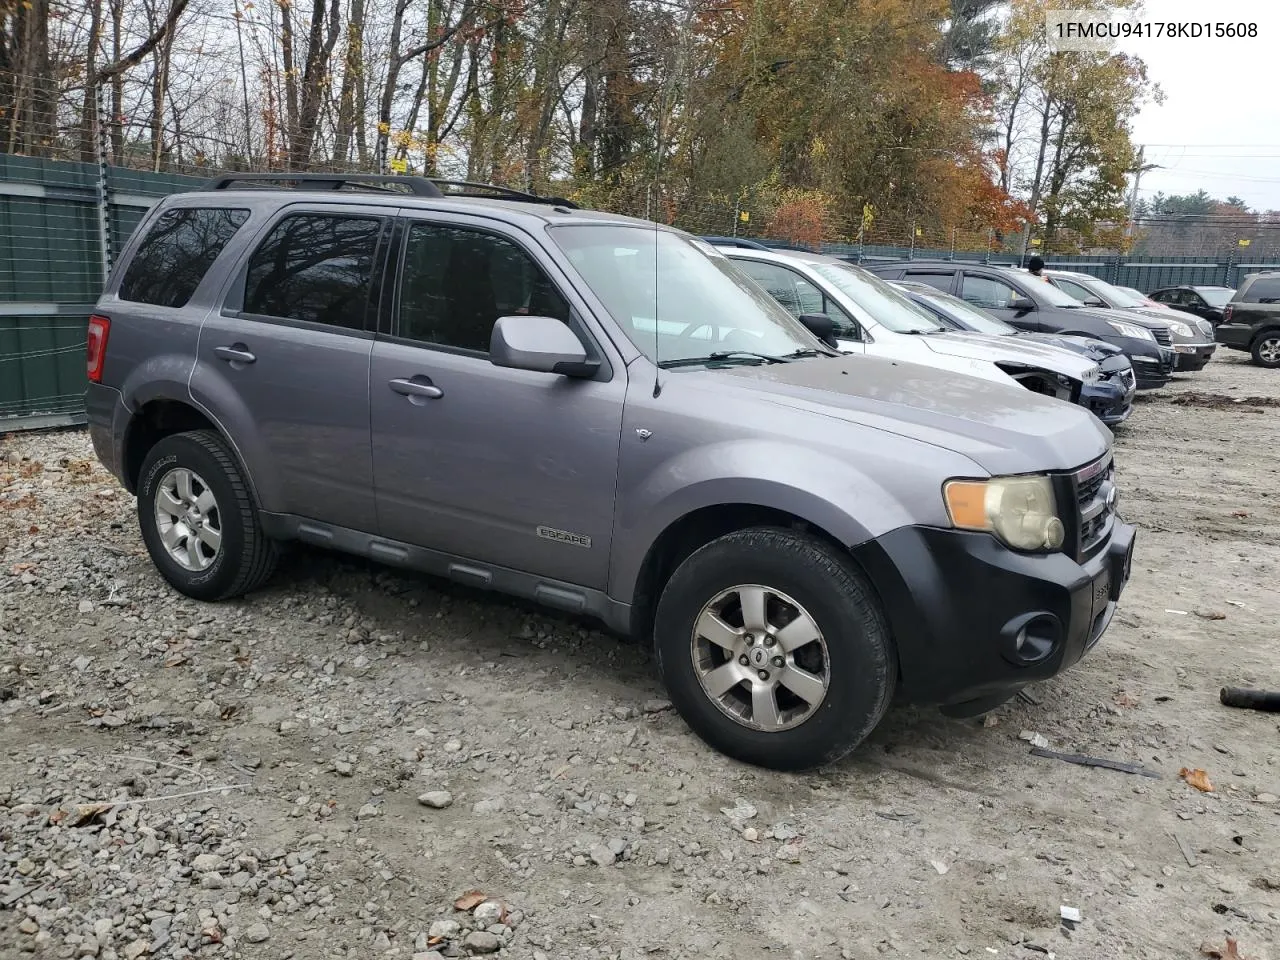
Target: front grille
pixel 1162 335
pixel 1094 514
pixel 1128 378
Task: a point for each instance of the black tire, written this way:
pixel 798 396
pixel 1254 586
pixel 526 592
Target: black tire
pixel 1270 342
pixel 246 557
pixel 862 663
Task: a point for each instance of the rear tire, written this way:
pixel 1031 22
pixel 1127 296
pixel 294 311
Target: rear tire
pixel 799 687
pixel 1266 350
pixel 198 519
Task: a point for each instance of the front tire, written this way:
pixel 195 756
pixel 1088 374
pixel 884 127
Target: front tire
pixel 1266 350
pixel 198 519
pixel 774 649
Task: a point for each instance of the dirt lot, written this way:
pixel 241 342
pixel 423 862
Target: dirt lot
pixel 332 701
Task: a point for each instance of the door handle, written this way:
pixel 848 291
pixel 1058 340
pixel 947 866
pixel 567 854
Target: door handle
pixel 415 388
pixel 238 353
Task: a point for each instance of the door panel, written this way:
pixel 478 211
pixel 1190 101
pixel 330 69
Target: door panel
pixel 505 467
pixel 994 296
pixel 286 363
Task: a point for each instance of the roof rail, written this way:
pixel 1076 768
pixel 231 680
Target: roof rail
pixel 471 188
pixel 419 186
pixel 740 242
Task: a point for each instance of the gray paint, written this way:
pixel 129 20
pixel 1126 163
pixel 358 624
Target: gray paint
pixel 459 482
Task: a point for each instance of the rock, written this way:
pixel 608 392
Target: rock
pixel 258 933
pixel 206 710
pixel 428 955
pixel 135 949
pixel 481 941
pixel 453 746
pixel 656 705
pixel 85 606
pixel 342 768
pixel 1033 738
pixel 488 806
pixel 436 799
pixel 26 867
pixel 741 811
pixel 751 834
pixel 367 812
pixel 1266 798
pixel 207 863
pixel 444 930
pixel 488 913
pixel 603 856
pixel 29 926
pixel 102 930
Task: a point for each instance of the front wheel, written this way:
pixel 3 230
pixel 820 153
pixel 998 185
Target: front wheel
pixel 774 649
pixel 1266 350
pixel 198 520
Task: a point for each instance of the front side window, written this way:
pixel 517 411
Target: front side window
pixel 177 252
pixel 457 282
pixel 1074 290
pixel 314 267
pixel 941 281
pixel 796 294
pixel 987 292
pixel 676 298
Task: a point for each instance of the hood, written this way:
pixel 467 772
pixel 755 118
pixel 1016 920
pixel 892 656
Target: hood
pixel 1004 428
pixel 1001 349
pixel 1095 350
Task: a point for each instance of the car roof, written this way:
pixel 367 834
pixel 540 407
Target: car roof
pixel 512 211
pixel 780 256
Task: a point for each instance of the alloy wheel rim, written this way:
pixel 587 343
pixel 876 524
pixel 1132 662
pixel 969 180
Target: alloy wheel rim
pixel 760 658
pixel 188 519
pixel 1269 350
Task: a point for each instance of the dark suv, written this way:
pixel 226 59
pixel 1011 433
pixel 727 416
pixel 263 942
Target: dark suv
pixel 602 415
pixel 1251 321
pixel 1206 302
pixel 1028 303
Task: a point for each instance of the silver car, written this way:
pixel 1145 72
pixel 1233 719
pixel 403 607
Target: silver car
pixel 605 416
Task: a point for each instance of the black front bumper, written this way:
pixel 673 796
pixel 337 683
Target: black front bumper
pixel 976 621
pixel 1193 356
pixel 1154 370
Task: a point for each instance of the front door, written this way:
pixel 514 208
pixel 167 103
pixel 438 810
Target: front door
pixel 997 297
pixel 285 364
pixel 505 467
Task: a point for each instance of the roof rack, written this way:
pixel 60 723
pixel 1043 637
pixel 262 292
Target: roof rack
pixel 469 188
pixel 418 186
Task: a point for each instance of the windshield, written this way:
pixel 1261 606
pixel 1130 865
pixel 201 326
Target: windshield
pixel 1216 296
pixel 973 318
pixel 1046 291
pixel 887 306
pixel 678 299
pixel 1111 293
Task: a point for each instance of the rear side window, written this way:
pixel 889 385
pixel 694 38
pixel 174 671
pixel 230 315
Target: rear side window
pixel 177 252
pixel 1263 290
pixel 940 280
pixel 314 267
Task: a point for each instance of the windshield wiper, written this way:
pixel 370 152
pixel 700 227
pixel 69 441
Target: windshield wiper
pixel 806 352
pixel 723 356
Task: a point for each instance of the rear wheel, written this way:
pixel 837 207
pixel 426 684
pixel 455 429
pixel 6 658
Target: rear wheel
pixel 1266 350
pixel 774 649
pixel 198 519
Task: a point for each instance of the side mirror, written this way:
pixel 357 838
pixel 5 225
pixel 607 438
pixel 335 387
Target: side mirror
pixel 822 327
pixel 1021 304
pixel 1095 302
pixel 539 344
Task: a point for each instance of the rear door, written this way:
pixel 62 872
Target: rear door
pixel 511 468
pixel 285 362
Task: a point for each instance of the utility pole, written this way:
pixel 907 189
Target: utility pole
pixel 1138 171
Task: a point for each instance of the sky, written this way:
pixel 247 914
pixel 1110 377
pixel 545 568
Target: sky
pixel 1219 127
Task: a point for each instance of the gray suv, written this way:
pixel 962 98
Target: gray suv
pixel 605 416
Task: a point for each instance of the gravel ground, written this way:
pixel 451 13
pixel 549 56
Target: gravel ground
pixel 354 762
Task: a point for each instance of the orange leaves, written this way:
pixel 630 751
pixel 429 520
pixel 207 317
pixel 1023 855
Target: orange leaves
pixel 803 217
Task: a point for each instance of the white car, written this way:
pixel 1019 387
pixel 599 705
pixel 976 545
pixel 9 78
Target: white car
pixel 873 318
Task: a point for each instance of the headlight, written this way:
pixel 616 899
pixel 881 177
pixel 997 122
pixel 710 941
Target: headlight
pixel 1130 330
pixel 1020 511
pixel 1180 328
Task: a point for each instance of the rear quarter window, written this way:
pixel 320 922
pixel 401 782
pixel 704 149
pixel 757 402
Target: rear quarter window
pixel 1263 290
pixel 176 252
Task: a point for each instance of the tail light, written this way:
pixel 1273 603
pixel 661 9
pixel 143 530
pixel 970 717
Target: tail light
pixel 96 348
pixel 1226 313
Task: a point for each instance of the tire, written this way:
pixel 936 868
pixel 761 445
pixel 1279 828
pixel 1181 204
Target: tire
pixel 232 555
pixel 1266 349
pixel 798 572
